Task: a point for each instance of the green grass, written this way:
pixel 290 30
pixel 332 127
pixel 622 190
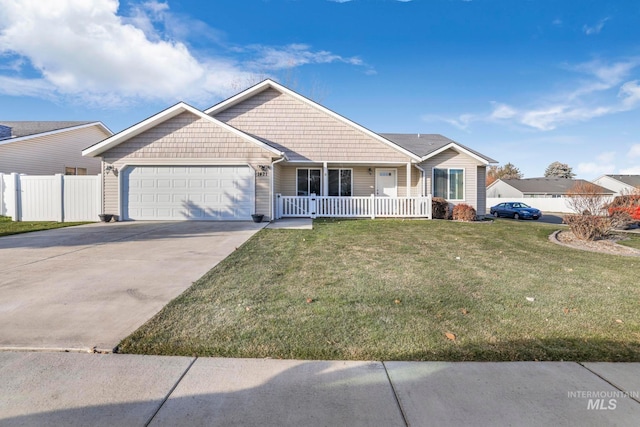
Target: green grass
pixel 8 227
pixel 631 240
pixel 392 289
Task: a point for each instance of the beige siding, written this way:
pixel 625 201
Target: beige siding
pixel 304 132
pixel 50 154
pixel 186 140
pixel 452 159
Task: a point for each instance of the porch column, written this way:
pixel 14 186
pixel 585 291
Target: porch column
pixel 325 180
pixel 408 180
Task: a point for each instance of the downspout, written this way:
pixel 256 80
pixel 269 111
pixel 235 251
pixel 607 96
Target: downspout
pixel 424 181
pixel 272 184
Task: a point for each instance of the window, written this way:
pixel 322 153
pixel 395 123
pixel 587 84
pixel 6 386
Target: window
pixel 309 182
pixel 340 182
pixel 448 183
pixel 74 171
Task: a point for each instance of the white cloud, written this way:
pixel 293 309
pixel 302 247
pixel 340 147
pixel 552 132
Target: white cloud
pixel 605 163
pixel 84 51
pixel 634 151
pixel 595 29
pixel 633 170
pixel 601 93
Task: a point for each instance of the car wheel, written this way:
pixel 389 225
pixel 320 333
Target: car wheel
pixel 516 216
pixel 496 214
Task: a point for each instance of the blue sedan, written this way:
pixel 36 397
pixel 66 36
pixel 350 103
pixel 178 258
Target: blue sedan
pixel 515 210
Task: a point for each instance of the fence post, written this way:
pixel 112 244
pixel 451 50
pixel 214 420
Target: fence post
pixel 15 195
pixel 372 201
pixel 2 212
pixel 60 197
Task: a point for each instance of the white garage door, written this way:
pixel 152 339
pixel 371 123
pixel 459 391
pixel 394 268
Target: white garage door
pixel 188 192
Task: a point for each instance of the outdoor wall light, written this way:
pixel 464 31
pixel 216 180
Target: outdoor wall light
pixel 111 168
pixel 370 171
pixel 263 168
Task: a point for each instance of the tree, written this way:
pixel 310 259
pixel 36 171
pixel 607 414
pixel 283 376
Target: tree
pixel 508 171
pixel 559 170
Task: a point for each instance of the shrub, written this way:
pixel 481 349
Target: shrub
pixel 464 212
pixel 627 204
pixel 587 199
pixel 588 227
pixel 439 208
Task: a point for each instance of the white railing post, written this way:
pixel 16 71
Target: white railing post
pixel 278 213
pixel 2 210
pixel 313 205
pixel 373 206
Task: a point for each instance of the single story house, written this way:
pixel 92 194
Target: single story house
pixel 269 150
pixel 536 188
pixel 620 184
pixel 49 148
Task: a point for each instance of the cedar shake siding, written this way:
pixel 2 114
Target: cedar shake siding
pixel 185 140
pixel 473 194
pixel 303 132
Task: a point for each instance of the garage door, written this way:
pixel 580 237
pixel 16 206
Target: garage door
pixel 188 192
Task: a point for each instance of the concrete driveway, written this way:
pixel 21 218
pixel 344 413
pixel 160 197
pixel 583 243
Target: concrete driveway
pixel 90 286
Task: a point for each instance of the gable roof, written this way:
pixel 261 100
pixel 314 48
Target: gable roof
pixel 270 84
pixel 548 185
pixel 179 108
pixel 14 131
pixel 632 180
pixel 428 145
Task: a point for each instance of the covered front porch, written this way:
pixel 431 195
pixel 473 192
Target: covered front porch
pixel 350 190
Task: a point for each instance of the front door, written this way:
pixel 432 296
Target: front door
pixel 386 182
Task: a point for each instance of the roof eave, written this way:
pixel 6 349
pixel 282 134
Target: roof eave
pixel 484 160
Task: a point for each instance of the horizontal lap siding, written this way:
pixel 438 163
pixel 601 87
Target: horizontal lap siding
pixel 50 154
pixel 304 132
pixel 183 140
pixel 453 160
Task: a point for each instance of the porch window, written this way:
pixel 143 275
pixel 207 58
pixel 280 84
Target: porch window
pixel 340 183
pixel 448 183
pixel 309 182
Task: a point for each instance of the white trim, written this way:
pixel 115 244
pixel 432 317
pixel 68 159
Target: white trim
pixel 100 125
pixel 375 188
pixel 349 162
pixel 459 149
pixel 268 83
pixel 464 183
pixel 423 178
pixel 272 184
pixel 163 116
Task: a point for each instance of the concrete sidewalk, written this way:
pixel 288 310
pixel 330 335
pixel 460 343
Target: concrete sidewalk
pixel 111 389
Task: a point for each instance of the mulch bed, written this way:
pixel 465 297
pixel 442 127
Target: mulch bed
pixel 605 246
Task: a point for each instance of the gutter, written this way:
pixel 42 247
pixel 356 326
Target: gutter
pixel 424 179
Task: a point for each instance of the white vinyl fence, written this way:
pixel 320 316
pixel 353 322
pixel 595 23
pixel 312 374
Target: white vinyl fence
pixel 62 198
pixel 545 204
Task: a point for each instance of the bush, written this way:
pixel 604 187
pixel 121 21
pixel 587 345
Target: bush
pixel 588 227
pixel 464 212
pixel 627 204
pixel 439 208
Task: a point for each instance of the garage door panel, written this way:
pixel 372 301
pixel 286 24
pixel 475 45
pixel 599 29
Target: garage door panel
pixel 193 192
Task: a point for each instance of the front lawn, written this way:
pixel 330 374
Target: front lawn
pixel 405 290
pixel 8 227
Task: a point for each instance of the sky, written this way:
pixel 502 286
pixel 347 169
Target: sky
pixel 523 81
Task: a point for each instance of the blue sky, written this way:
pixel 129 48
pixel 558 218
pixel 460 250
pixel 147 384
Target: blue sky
pixel 523 81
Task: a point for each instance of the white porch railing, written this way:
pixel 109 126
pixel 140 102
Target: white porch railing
pixel 352 207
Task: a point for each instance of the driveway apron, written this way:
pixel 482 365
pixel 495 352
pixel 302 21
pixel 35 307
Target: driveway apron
pixel 88 287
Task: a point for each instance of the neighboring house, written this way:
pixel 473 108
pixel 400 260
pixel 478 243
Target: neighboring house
pixel 536 188
pixel 266 150
pixel 48 148
pixel 620 184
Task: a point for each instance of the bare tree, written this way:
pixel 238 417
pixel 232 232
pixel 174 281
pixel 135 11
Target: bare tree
pixel 586 198
pixel 508 171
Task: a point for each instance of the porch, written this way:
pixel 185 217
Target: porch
pixel 313 206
